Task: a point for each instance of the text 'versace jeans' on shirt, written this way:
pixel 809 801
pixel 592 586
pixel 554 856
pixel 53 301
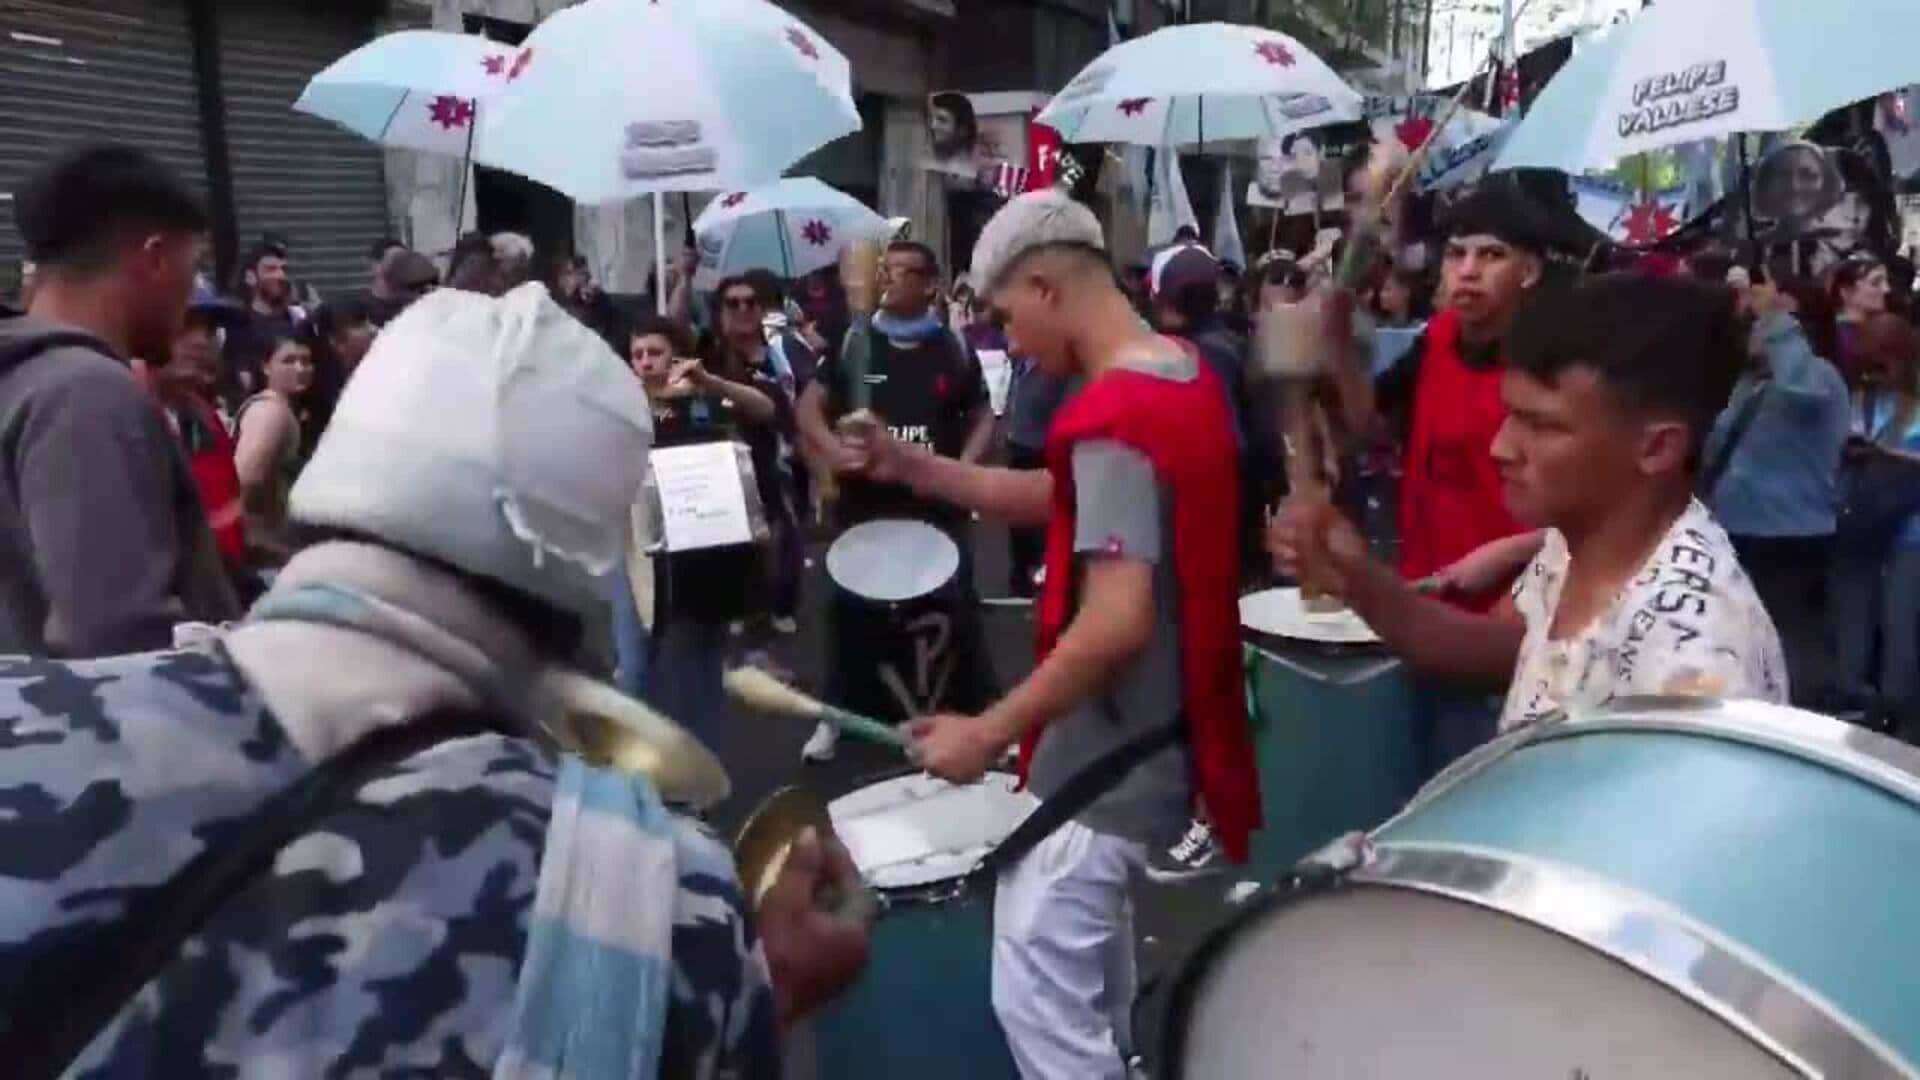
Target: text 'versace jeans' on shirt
pixel 1688 622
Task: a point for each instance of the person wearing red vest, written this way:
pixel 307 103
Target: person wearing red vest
pixel 1139 631
pixel 183 386
pixel 1441 405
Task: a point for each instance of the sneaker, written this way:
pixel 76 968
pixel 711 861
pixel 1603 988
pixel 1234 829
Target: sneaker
pixel 1195 854
pixel 821 744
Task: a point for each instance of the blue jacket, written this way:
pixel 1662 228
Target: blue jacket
pixel 1783 479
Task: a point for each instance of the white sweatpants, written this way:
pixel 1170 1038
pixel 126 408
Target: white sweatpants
pixel 1063 955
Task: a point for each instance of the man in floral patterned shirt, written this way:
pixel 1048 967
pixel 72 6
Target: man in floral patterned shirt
pixel 1611 388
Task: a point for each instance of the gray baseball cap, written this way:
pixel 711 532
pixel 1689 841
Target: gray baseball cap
pixel 1035 219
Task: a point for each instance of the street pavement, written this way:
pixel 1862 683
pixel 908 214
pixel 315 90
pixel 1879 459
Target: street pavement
pixel 762 755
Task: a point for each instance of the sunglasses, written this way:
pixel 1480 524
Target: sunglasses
pixel 741 303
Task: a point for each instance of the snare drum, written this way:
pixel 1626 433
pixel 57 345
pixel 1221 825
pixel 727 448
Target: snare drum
pixel 924 1008
pixel 1662 889
pixel 897 636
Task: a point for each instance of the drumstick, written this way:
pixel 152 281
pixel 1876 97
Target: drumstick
pixel 755 688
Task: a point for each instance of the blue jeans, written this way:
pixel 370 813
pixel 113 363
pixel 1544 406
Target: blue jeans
pixel 684 676
pixel 629 635
pixel 1900 629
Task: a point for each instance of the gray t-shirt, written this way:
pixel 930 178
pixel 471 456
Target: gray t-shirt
pixel 1123 511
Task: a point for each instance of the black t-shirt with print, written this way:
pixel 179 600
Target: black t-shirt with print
pixel 926 396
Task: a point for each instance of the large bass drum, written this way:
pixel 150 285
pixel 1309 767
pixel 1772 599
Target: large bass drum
pixel 1657 890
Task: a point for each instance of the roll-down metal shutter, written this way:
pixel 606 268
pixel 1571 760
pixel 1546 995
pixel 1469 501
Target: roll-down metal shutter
pixel 83 71
pixel 301 180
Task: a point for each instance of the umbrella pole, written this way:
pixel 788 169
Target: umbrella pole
pixel 786 256
pixel 660 253
pixel 1746 201
pixel 466 171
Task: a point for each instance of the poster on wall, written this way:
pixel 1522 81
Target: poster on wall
pixel 979 141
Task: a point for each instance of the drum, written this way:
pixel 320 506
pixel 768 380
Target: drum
pixel 1659 889
pixel 1339 745
pixel 896 589
pixel 924 1009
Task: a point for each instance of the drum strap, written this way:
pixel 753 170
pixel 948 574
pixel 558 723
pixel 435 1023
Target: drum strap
pixel 1080 791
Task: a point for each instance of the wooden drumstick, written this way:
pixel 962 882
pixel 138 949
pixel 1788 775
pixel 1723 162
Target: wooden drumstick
pixel 1292 349
pixel 754 688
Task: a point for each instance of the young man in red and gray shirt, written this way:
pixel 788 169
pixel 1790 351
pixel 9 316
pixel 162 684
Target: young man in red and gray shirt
pixel 1139 630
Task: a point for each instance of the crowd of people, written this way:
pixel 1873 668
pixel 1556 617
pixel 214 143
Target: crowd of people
pixel 277 571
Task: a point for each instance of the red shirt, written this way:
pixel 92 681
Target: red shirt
pixel 1451 498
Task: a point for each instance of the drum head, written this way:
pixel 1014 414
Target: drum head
pixel 892 560
pixel 1373 982
pixel 916 830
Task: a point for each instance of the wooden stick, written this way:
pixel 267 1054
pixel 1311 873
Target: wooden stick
pixel 756 689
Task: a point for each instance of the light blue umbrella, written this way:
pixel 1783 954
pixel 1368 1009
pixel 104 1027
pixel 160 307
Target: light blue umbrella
pixel 1203 81
pixel 792 227
pixel 1690 69
pixel 415 89
pixel 621 98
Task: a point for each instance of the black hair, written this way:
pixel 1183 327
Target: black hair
pixel 1186 232
pixel 735 281
pixel 961 107
pixel 266 249
pixel 472 266
pixel 649 324
pixel 767 284
pixel 75 212
pixel 338 314
pixel 1666 345
pixel 379 248
pixel 1283 272
pixel 920 249
pixel 1501 209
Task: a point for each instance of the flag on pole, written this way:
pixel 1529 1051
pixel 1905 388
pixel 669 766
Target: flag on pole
pixel 1171 207
pixel 1227 246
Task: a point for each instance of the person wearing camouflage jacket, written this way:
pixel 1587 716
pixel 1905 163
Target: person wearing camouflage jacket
pixel 485 906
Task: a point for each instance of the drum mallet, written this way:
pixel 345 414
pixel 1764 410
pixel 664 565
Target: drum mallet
pixel 756 689
pixel 1291 348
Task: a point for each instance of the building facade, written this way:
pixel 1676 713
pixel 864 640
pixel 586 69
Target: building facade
pixel 208 85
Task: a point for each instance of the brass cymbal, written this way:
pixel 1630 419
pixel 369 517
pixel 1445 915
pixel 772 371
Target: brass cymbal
pixel 760 847
pixel 611 730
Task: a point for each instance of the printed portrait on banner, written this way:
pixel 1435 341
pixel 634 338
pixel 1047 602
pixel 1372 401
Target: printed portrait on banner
pixel 974 145
pixel 1291 175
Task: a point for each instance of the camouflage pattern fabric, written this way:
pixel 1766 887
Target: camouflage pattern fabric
pixel 387 939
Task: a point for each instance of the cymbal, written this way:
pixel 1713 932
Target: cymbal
pixel 611 730
pixel 760 847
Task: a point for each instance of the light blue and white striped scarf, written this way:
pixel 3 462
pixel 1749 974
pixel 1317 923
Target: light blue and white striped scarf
pixel 592 997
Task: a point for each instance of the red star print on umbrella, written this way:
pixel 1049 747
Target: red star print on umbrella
pixel 520 64
pixel 450 112
pixel 816 233
pixel 730 201
pixel 1650 221
pixel 495 65
pixel 803 43
pixel 1135 106
pixel 1275 52
pixel 1413 132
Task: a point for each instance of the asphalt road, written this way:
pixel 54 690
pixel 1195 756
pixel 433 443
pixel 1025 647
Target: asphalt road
pixel 762 754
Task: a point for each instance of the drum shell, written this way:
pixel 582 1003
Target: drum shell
pixel 916 648
pixel 923 1009
pixel 1753 863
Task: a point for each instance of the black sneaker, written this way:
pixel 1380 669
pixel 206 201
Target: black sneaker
pixel 1196 854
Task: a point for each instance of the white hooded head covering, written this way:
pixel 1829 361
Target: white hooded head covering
pixel 498 435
